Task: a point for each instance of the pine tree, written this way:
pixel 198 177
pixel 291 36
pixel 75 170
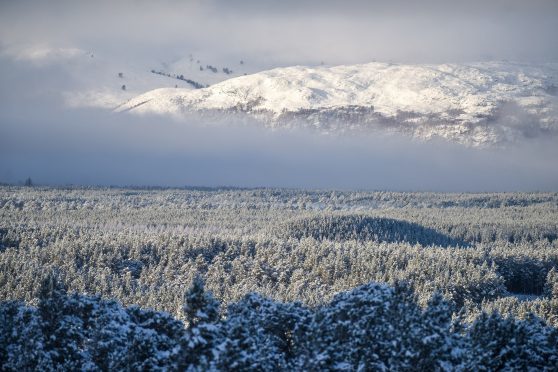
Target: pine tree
pixel 21 338
pixel 436 348
pixel 203 335
pixel 200 306
pixel 62 329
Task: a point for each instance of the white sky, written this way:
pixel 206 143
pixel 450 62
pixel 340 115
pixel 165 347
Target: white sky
pixel 292 32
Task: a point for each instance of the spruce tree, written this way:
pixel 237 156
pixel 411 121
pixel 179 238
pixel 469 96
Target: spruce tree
pixel 201 310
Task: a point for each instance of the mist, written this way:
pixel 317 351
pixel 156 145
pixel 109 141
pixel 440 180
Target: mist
pixel 93 147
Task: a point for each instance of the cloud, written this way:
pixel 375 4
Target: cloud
pixel 42 54
pixel 291 32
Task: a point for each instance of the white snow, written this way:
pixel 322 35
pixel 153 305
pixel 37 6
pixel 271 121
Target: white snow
pixel 470 103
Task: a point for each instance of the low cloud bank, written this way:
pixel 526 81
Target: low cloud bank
pixel 98 148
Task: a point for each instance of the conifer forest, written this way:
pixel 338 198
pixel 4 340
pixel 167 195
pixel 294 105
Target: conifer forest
pixel 198 279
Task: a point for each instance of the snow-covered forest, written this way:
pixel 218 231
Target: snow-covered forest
pixel 259 279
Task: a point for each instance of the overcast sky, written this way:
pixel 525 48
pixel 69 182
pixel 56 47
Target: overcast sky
pixel 41 138
pixel 294 31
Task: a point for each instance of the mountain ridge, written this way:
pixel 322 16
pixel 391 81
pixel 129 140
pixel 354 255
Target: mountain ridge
pixel 477 104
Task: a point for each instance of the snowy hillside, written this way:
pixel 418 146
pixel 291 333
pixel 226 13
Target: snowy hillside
pixel 476 104
pixel 209 69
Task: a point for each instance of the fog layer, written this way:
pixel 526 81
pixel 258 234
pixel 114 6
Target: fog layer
pixel 99 148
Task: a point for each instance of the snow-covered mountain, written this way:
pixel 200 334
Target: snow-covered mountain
pixel 476 104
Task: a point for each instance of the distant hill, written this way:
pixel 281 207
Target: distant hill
pixel 477 104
